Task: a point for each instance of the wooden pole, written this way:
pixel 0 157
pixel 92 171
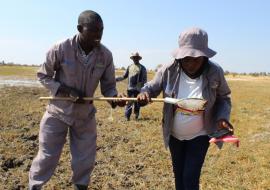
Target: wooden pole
pixel 98 98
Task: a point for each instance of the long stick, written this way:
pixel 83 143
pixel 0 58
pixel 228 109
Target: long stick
pixel 191 105
pixel 99 98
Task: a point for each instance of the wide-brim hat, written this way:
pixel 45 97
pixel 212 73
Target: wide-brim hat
pixel 193 43
pixel 137 55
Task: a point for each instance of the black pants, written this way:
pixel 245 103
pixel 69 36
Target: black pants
pixel 187 160
pixel 128 111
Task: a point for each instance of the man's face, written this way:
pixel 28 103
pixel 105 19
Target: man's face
pixel 136 60
pixel 91 34
pixel 192 64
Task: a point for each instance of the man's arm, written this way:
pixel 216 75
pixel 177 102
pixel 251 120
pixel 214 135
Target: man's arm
pixel 108 85
pixel 107 81
pixel 46 72
pixel 124 76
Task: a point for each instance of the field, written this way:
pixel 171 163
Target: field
pixel 131 155
pixel 16 71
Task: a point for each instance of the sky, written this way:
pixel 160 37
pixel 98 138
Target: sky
pixel 238 30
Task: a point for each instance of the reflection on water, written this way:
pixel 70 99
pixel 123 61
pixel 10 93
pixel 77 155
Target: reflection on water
pixel 19 82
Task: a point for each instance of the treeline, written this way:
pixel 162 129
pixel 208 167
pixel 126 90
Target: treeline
pixel 255 74
pixel 16 64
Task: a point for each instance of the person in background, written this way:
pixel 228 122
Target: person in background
pixel 190 75
pixel 73 68
pixel 137 77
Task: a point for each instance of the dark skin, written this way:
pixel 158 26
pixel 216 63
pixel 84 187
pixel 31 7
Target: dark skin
pixel 90 35
pixel 136 60
pixel 190 65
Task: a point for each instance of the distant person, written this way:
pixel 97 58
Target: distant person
pixel 190 75
pixel 73 68
pixel 137 77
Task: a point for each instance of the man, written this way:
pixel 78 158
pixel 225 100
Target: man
pixel 190 75
pixel 73 68
pixel 137 77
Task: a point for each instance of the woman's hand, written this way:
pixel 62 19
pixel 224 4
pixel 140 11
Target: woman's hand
pixel 120 103
pixel 143 98
pixel 224 124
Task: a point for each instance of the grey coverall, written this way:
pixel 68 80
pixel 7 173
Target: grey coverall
pixel 65 65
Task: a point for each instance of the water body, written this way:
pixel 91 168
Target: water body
pixel 18 82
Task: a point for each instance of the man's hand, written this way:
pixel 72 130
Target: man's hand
pixel 143 98
pixel 65 91
pixel 120 103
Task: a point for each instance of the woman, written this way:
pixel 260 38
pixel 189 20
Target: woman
pixel 190 75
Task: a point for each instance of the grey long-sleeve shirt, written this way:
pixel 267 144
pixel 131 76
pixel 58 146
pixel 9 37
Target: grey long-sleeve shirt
pixel 65 65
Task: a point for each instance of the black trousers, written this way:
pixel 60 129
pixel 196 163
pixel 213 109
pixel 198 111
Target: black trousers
pixel 128 110
pixel 187 160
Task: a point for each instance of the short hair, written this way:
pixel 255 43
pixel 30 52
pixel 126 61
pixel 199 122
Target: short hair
pixel 89 17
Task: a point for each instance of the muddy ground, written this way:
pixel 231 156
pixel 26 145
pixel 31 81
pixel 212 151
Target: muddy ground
pixel 131 155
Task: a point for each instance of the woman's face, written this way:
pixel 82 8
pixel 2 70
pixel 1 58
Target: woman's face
pixel 192 65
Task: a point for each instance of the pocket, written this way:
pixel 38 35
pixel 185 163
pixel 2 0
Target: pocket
pixel 214 84
pixel 68 67
pixel 98 70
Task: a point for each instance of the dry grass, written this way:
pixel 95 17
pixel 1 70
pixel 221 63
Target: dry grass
pixel 25 72
pixel 131 155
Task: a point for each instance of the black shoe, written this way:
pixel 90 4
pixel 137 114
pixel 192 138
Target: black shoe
pixel 80 187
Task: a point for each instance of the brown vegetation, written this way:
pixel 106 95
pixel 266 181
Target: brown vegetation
pixel 131 155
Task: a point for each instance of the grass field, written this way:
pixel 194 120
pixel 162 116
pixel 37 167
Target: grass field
pixel 24 72
pixel 131 155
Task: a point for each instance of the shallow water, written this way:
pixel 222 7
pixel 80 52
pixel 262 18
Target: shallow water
pixel 19 82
